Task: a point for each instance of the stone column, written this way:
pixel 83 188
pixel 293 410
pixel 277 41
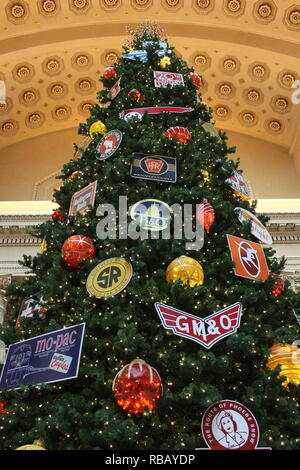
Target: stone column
pixel 5 281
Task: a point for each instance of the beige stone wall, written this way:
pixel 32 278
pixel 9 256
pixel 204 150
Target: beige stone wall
pixel 30 166
pixel 269 168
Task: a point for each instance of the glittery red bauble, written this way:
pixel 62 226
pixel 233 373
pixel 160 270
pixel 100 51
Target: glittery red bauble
pixel 58 216
pixel 3 411
pixel 180 133
pixel 278 286
pixel 110 72
pixel 137 387
pixel 205 215
pixel 135 93
pixel 77 249
pixel 196 80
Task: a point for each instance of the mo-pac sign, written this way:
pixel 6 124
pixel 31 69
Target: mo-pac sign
pixel 47 358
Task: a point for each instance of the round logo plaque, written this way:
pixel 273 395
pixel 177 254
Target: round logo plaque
pixel 109 144
pixel 109 277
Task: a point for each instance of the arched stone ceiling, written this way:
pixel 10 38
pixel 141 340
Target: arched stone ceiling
pixel 53 51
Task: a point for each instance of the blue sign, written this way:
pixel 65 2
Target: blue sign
pixel 163 47
pixel 134 55
pixel 51 357
pixel 153 167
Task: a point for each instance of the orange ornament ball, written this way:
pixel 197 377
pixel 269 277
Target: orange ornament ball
pixel 182 134
pixel 205 215
pixel 76 174
pixel 288 357
pixel 77 249
pixel 137 387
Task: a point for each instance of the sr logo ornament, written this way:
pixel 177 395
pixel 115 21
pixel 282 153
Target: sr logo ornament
pixel 205 331
pixel 109 278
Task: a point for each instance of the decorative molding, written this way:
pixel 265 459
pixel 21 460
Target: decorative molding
pixel 41 182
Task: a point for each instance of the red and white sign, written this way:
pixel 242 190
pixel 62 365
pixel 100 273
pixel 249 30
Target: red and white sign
pixel 205 331
pixel 164 79
pixel 83 146
pixel 60 363
pixel 138 113
pixel 83 200
pixel 229 425
pixel 239 184
pixel 114 91
pixel 109 144
pixel 249 258
pixel 31 307
pixel 257 228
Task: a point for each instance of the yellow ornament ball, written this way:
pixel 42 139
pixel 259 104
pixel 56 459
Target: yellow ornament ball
pixel 76 174
pixel 288 357
pixel 165 61
pixel 187 270
pixel 43 247
pixel 98 127
pixel 37 445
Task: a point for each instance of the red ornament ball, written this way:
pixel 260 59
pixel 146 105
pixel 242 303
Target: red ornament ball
pixel 77 249
pixel 205 215
pixel 196 80
pixel 136 94
pixel 3 410
pixel 137 387
pixel 182 134
pixel 110 72
pixel 57 216
pixel 278 287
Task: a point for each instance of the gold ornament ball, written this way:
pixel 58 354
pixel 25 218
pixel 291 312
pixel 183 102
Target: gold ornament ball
pixel 288 357
pixel 165 61
pixel 187 270
pixel 43 247
pixel 37 445
pixel 98 127
pixel 76 174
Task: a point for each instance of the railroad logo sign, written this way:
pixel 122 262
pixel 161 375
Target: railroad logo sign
pixel 109 144
pixel 109 277
pixel 205 331
pixel 153 167
pixel 229 425
pixel 257 228
pixel 239 184
pixel 151 214
pixel 249 258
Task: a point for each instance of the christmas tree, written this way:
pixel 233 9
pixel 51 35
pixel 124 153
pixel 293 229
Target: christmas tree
pixel 182 304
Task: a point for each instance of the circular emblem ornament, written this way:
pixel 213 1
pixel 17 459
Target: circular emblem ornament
pixel 151 214
pixel 155 165
pixel 109 144
pixel 229 425
pixel 249 259
pixel 109 277
pixel 133 114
